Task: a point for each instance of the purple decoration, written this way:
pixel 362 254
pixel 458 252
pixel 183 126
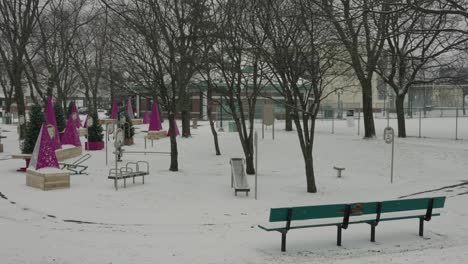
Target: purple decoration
pixel 75 115
pixel 129 109
pixel 50 120
pixel 155 121
pixel 176 130
pixel 114 110
pixel 146 117
pixel 43 155
pixel 70 136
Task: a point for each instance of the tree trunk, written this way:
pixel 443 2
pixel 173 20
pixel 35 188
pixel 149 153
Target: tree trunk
pixel 288 119
pixel 400 110
pixel 310 176
pixel 19 97
pixel 369 128
pixel 249 162
pixel 210 118
pixel 174 164
pixel 185 123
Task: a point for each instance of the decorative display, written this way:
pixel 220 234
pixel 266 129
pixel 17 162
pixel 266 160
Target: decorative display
pixel 43 155
pixel 155 122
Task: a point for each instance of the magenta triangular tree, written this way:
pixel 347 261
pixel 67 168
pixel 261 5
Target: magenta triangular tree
pixel 129 109
pixel 155 122
pixel 75 115
pixel 114 110
pixel 70 136
pixel 146 117
pixel 50 120
pixel 43 155
pixel 176 130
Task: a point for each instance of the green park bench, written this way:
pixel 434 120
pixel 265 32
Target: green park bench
pixel 341 215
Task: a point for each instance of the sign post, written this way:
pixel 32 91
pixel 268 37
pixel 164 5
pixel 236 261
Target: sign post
pixel 256 162
pixel 389 137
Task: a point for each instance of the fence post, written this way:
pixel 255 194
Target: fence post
pixel 359 122
pixel 333 123
pixel 420 122
pixel 456 124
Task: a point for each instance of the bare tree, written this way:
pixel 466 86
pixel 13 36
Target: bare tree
pixel 303 57
pixel 360 26
pixel 88 52
pixel 415 42
pixel 18 18
pixel 172 31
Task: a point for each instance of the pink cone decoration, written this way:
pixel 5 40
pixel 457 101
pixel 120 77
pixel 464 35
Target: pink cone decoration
pixel 43 155
pixel 176 130
pixel 155 122
pixel 146 117
pixel 75 116
pixel 70 136
pixel 51 120
pixel 115 110
pixel 129 109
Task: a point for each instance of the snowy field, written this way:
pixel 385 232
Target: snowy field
pixel 192 216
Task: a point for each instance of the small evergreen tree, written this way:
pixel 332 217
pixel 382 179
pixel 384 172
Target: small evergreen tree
pixel 128 127
pixel 59 116
pixel 33 127
pixel 95 131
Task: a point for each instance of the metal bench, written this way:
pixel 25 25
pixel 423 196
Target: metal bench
pixel 76 167
pixel 342 215
pixel 338 170
pixel 131 170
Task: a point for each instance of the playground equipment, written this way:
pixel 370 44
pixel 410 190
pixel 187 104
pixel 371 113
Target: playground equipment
pixel 238 178
pixel 76 167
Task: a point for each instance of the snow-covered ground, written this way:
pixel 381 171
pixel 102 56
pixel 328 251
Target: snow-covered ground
pixel 192 216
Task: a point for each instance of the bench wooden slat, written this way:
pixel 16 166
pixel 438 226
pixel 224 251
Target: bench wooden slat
pixel 369 221
pixel 411 204
pixel 337 210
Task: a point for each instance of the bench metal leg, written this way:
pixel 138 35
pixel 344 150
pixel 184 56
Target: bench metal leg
pixel 133 180
pixel 125 183
pixel 152 143
pixel 283 241
pixel 372 234
pixel 338 237
pixel 115 184
pixel 421 227
pixel 143 179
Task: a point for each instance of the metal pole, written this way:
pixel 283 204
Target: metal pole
pixel 273 129
pixel 393 150
pixel 420 111
pixel 333 123
pixel 456 125
pixel 388 118
pixel 256 162
pixel 359 122
pixel 107 140
pixel 263 130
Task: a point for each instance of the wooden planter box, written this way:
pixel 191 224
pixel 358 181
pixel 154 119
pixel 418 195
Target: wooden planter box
pixel 107 121
pixel 68 153
pixel 137 121
pixel 47 180
pixel 82 131
pixel 94 145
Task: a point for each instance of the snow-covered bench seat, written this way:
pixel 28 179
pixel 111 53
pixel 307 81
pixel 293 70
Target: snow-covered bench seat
pixel 131 170
pixel 342 215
